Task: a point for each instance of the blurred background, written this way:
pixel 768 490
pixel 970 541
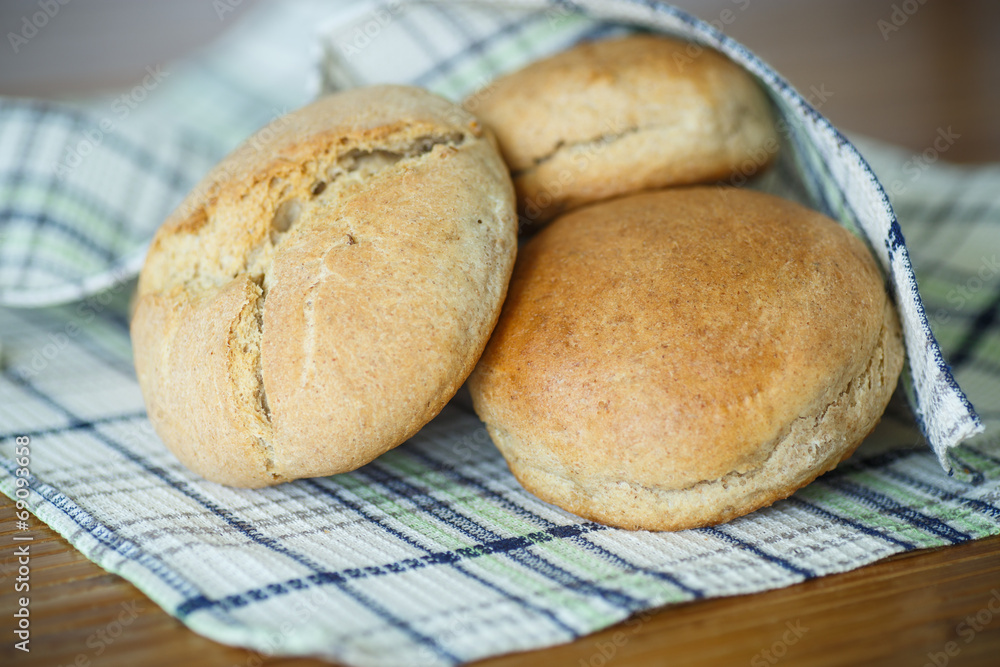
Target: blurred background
pixel 895 70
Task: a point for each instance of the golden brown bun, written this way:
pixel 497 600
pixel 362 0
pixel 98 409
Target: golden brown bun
pixel 613 117
pixel 326 289
pixel 680 358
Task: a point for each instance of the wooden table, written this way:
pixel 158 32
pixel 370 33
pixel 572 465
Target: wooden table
pixel 893 612
pixel 940 68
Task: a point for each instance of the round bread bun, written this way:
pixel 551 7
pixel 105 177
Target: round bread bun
pixel 326 289
pixel 613 117
pixel 679 358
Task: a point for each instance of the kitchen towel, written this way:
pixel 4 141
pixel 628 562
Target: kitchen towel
pixel 433 554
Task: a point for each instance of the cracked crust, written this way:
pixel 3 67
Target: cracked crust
pixel 612 117
pixel 677 359
pixel 326 289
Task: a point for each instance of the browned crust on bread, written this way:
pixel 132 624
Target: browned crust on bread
pixel 617 116
pixel 676 359
pixel 326 289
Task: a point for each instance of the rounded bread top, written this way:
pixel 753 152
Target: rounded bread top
pixel 600 90
pixel 669 338
pixel 327 287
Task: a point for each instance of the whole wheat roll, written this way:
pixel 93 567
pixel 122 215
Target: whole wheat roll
pixel 616 116
pixel 679 358
pixel 326 289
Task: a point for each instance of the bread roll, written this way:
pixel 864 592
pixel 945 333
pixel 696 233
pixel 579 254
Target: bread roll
pixel 618 116
pixel 679 358
pixel 326 289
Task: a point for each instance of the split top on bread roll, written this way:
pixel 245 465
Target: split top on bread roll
pixel 617 116
pixel 679 358
pixel 326 289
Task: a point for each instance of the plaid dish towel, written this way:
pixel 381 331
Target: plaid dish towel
pixel 433 554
